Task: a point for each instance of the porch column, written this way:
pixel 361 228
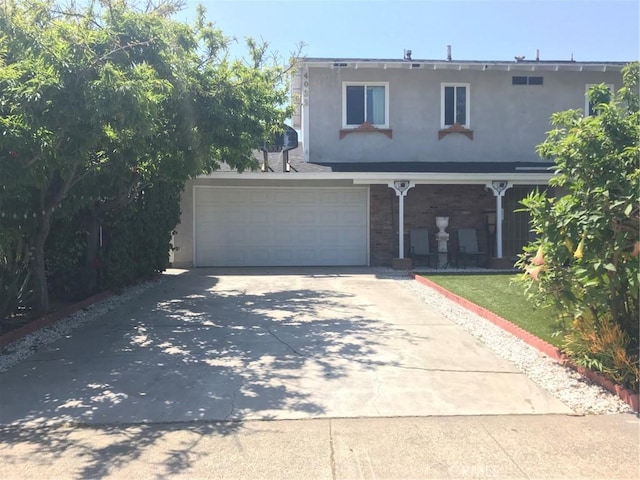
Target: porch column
pixel 499 187
pixel 401 187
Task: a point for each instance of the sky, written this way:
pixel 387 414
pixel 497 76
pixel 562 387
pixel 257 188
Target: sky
pixel 591 30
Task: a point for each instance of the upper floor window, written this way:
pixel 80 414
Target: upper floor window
pixel 588 105
pixel 365 102
pixel 455 104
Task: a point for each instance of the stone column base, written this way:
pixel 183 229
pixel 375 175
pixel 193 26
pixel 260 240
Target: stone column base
pixel 402 263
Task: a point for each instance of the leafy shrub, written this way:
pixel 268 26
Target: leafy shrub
pixel 600 344
pixel 586 260
pixel 137 238
pixel 65 252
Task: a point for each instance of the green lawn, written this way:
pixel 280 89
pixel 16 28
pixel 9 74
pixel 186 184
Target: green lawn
pixel 503 295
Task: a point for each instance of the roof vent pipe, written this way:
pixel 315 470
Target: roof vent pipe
pixel 537 55
pixel 448 53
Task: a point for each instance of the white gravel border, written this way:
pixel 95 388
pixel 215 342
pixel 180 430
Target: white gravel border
pixel 567 385
pixel 574 390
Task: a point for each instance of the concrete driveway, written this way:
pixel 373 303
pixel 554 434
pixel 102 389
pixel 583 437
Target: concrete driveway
pixel 241 344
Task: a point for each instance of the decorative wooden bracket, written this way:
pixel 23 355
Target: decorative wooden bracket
pixel 364 128
pixel 455 128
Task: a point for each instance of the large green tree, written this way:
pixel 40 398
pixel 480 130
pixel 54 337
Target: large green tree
pixel 98 101
pixel 587 246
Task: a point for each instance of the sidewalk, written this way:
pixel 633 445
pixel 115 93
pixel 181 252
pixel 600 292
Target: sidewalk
pixel 489 447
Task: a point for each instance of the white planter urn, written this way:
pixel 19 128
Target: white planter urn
pixel 442 238
pixel 442 223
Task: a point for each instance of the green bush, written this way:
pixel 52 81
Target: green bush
pixel 137 238
pixel 65 254
pixel 586 252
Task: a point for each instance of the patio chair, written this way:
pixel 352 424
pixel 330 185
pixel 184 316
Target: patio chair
pixel 468 247
pixel 419 245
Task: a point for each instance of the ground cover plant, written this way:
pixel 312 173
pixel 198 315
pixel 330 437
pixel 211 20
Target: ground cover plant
pixel 505 296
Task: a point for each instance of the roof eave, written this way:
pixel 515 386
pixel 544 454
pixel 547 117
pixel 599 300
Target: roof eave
pixel 363 178
pixel 464 65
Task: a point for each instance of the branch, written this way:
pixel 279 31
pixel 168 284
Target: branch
pixel 127 194
pixel 119 49
pixel 77 15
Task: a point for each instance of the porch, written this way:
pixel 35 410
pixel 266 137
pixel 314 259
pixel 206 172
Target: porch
pixel 467 207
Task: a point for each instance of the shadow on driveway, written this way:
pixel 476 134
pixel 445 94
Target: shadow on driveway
pixel 199 351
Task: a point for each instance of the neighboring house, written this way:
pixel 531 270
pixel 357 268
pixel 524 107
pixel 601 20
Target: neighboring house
pixel 386 146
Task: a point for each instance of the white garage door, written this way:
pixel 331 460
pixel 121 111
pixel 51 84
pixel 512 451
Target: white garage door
pixel 263 226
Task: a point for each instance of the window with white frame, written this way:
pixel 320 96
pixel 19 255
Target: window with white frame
pixel 365 102
pixel 455 104
pixel 588 106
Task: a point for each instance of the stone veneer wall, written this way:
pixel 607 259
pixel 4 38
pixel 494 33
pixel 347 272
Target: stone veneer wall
pixel 465 205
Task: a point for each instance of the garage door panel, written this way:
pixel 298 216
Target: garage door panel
pixel 351 217
pixel 305 216
pixel 304 237
pixel 259 216
pixel 280 197
pixel 282 256
pixel 282 216
pixel 354 196
pixel 231 197
pixel 352 236
pixel 282 237
pixel 330 235
pixel 329 199
pixel 262 226
pixel 329 217
pixel 305 196
pixel 257 197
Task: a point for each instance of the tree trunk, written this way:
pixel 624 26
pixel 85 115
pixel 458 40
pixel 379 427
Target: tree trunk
pixel 38 270
pixel 91 258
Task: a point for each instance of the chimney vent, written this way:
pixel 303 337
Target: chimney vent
pixel 448 53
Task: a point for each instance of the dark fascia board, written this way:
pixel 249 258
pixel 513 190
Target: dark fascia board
pixel 441 167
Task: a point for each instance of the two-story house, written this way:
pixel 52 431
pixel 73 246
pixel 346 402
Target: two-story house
pixel 386 146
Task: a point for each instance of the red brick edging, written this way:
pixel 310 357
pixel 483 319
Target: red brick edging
pixel 50 319
pixel 626 395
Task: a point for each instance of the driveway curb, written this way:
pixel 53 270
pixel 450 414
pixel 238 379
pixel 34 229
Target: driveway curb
pixel 626 395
